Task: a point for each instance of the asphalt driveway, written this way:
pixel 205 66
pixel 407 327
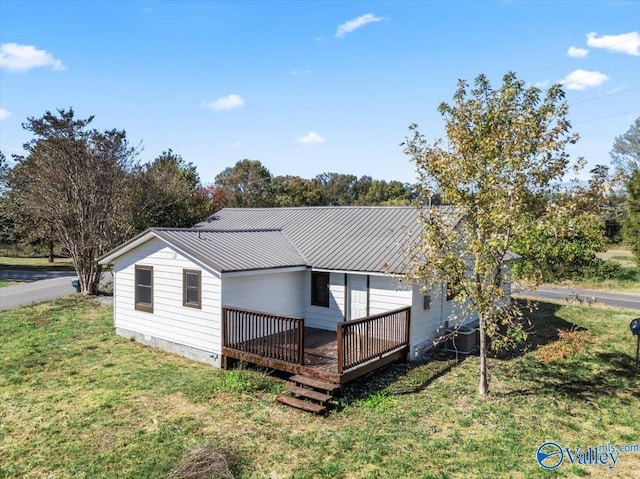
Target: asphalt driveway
pixel 39 286
pixel 35 292
pixel 28 275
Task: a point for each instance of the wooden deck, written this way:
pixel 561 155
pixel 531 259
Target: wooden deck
pixel 285 344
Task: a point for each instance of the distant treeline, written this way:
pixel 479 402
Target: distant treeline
pixel 250 184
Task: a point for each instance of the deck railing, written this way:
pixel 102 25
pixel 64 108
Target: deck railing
pixel 263 334
pixel 366 339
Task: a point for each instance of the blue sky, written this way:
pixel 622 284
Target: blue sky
pixel 307 87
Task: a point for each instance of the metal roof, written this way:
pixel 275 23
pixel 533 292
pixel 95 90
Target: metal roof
pixel 242 250
pixel 346 238
pixel 339 238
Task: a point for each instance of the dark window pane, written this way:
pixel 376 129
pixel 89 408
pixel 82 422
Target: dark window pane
pixel 143 276
pixel 144 294
pixel 193 280
pixel 320 289
pixel 192 296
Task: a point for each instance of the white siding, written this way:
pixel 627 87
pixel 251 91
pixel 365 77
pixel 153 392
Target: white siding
pixel 319 316
pixel 276 293
pixel 426 324
pixel 387 293
pixel 170 321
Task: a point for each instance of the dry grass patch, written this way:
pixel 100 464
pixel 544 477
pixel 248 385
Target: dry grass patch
pixel 570 343
pixel 204 463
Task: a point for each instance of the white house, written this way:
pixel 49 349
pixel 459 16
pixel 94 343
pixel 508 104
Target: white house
pixel 253 284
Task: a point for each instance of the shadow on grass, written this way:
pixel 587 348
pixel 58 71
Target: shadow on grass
pixel 543 327
pixel 576 374
pixel 581 381
pixel 403 378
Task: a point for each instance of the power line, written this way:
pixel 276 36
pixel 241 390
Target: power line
pixel 607 116
pixel 594 74
pixel 605 95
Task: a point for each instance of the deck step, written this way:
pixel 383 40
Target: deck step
pixel 315 383
pixel 300 404
pixel 308 393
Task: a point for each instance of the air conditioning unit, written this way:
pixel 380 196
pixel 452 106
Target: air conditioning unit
pixel 461 340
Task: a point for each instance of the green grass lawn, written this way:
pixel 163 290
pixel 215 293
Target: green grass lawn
pixel 18 262
pixel 6 283
pixel 78 401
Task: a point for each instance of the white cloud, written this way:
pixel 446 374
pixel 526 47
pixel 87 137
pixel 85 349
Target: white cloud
pixel 356 23
pixel 20 58
pixel 575 52
pixel 4 114
pixel 628 43
pixel 541 84
pixel 228 102
pixel 311 138
pixel 582 79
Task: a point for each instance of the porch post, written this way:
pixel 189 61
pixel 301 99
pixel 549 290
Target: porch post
pixel 224 327
pixel 301 342
pixel 339 340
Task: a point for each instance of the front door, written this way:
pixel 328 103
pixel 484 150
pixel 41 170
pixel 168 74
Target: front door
pixel 358 296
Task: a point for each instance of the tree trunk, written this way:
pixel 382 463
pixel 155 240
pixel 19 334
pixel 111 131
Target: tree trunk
pixel 483 387
pixel 89 273
pixel 50 251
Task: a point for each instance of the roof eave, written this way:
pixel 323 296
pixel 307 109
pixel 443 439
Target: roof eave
pixel 127 246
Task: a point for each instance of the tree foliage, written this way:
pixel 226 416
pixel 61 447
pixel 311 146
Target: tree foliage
pixel 168 193
pixel 631 224
pixel 625 152
pixel 294 191
pixel 247 184
pixel 564 242
pixel 76 181
pixel 4 174
pixel 505 150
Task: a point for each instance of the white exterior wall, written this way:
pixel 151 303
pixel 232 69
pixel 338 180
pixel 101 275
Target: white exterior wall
pixel 319 316
pixel 426 324
pixel 191 332
pixel 387 293
pixel 276 293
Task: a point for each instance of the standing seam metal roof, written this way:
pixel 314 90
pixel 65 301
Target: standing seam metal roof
pixel 239 250
pixel 348 238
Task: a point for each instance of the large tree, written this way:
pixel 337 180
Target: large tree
pixel 77 180
pixel 505 150
pixel 631 222
pixel 337 189
pixel 295 191
pixel 247 184
pixel 4 173
pixel 625 152
pixel 168 193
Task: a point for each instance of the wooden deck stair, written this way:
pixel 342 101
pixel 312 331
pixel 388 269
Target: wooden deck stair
pixel 309 394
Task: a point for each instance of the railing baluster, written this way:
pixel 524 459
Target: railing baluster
pixel 269 335
pixel 363 340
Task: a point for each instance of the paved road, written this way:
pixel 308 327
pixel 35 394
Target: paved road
pixel 35 292
pixel 618 300
pixel 31 275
